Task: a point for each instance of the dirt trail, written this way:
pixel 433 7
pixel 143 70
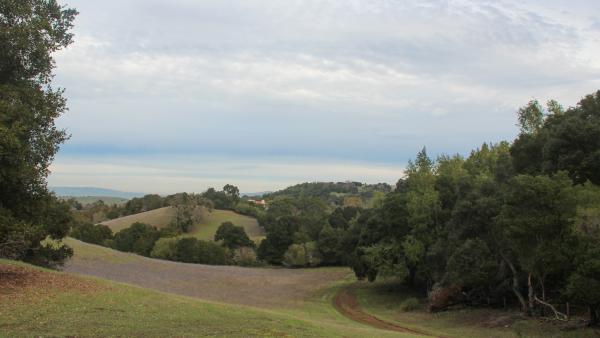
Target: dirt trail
pixel 346 303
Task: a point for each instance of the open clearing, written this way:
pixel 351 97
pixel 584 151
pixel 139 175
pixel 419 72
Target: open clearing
pixel 159 218
pixel 38 302
pixel 263 287
pixel 208 227
pixel 205 230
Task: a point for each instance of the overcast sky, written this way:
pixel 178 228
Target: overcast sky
pixel 181 95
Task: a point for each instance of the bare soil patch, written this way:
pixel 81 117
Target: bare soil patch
pixel 20 282
pixel 261 287
pixel 346 303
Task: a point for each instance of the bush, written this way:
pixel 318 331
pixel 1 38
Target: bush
pixel 90 233
pixel 233 236
pixel 138 238
pixel 190 250
pixel 164 248
pixel 302 255
pixel 410 304
pixel 245 256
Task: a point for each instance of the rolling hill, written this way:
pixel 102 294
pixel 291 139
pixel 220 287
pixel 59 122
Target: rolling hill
pixel 92 191
pixel 159 218
pixel 39 302
pixel 204 230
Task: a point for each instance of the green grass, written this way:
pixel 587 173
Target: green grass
pixel 114 309
pixel 204 230
pixel 208 227
pixel 381 300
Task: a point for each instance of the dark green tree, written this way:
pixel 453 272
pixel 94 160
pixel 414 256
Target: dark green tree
pixel 233 236
pixel 30 32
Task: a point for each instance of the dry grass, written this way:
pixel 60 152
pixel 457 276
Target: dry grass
pixel 260 287
pixel 159 218
pixel 24 284
pixel 208 227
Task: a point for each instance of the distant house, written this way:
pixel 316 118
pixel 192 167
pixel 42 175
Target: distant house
pixel 262 203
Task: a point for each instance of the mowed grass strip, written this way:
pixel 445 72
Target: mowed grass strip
pixel 112 309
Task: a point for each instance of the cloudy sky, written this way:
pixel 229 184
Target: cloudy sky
pixel 181 95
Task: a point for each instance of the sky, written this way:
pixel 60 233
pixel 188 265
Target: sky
pixel 182 95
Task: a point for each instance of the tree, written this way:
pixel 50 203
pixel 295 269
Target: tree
pixel 536 221
pixel 233 237
pixel 138 238
pixel 30 32
pixel 531 117
pixel 91 233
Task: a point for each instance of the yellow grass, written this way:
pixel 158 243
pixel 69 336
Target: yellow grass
pixel 159 218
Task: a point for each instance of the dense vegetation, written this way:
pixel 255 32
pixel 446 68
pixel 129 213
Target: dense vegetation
pixel 518 221
pixel 30 31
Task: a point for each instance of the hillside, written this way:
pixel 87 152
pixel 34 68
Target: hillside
pixel 38 302
pixel 204 230
pixel 157 217
pixel 108 200
pixel 208 227
pixel 92 191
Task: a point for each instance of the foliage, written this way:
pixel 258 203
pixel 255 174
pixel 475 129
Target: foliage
pixel 233 237
pixel 30 32
pixel 302 255
pixel 245 256
pixel 409 304
pixel 138 238
pixel 164 248
pixel 90 233
pixel 511 222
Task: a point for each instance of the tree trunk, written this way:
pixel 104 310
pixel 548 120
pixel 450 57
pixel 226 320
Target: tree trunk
pixel 515 285
pixel 530 295
pixel 594 320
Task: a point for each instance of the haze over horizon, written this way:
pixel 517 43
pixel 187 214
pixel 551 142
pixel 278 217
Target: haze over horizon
pixel 180 96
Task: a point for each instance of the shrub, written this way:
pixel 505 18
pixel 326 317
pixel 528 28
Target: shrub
pixel 410 304
pixel 233 236
pixel 164 248
pixel 302 255
pixel 90 233
pixel 245 256
pixel 138 238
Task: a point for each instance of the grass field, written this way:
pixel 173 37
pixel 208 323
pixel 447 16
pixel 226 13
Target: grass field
pixel 37 302
pixel 205 230
pixel 208 227
pixel 158 218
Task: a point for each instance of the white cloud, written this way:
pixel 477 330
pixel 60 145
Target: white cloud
pixel 355 80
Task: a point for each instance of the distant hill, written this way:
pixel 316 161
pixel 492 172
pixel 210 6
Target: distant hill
pixel 108 200
pixel 255 194
pixel 92 191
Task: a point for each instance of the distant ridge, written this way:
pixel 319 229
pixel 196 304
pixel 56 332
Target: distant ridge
pixel 255 194
pixel 92 191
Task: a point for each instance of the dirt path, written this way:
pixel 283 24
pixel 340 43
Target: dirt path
pixel 346 303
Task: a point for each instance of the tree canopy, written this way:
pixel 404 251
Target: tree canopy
pixel 30 32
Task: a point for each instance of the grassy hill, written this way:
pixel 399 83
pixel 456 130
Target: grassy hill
pixel 208 227
pixel 38 302
pixel 221 302
pixel 158 218
pixel 204 230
